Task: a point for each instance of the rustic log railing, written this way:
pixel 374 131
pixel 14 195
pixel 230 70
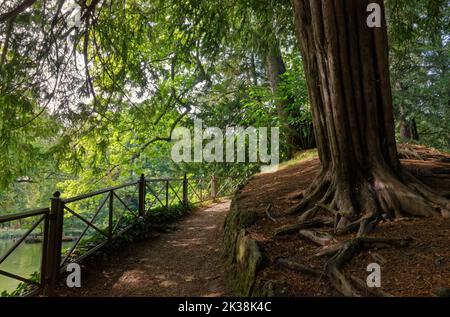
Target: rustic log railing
pixel 152 194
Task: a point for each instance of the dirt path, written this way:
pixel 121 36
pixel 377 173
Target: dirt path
pixel 185 262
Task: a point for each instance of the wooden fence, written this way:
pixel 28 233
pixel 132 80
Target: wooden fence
pixel 119 202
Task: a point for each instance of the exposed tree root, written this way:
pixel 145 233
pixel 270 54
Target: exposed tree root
pixel 417 152
pixel 312 223
pixel 373 291
pixel 378 258
pixel 343 255
pixel 329 250
pixel 356 204
pixel 360 205
pixel 297 267
pixel 409 153
pixel 268 209
pixel 295 196
pixel 322 238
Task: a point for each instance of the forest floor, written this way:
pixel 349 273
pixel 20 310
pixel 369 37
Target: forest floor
pixel 187 261
pixel 418 270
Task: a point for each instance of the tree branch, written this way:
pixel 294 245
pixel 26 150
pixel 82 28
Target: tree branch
pixel 168 138
pixel 15 12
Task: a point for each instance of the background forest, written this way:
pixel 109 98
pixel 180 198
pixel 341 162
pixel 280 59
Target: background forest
pixel 88 98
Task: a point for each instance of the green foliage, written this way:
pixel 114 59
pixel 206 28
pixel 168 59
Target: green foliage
pixel 23 288
pixel 420 55
pixel 294 91
pixel 82 108
pixel 24 139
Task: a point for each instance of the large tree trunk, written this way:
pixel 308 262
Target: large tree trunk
pixel 346 65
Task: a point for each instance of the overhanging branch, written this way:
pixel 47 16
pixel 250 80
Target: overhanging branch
pixel 166 139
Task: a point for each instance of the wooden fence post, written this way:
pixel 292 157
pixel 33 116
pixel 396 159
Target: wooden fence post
pixel 142 195
pixel 185 191
pixel 213 187
pixel 54 243
pixel 44 260
pixel 167 194
pixel 110 215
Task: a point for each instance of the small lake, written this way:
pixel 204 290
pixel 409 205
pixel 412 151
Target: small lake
pixel 24 261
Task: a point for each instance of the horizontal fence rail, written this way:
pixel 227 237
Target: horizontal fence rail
pixel 115 210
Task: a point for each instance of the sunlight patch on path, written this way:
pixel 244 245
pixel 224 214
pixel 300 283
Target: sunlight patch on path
pixel 183 262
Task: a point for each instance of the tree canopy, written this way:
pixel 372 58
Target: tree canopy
pixel 91 90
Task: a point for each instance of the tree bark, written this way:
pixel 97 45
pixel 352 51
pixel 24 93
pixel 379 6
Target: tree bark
pixel 346 64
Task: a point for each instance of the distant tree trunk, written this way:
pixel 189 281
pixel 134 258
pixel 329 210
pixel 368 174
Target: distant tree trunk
pixel 408 130
pixel 346 64
pixel 275 70
pixel 408 127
